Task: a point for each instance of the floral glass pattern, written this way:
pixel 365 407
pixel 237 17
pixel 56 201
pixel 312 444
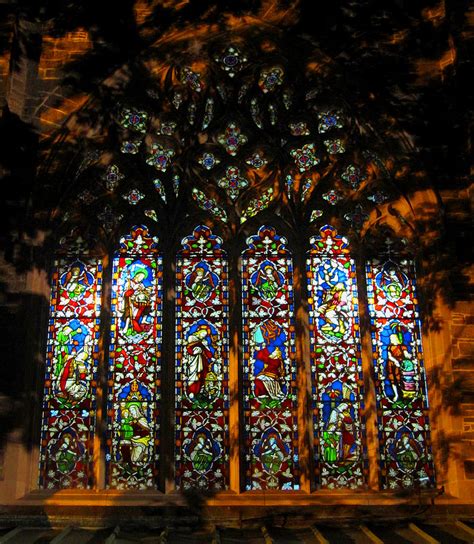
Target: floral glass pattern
pixel 269 367
pixel 202 354
pixel 402 403
pixel 69 401
pixel 336 372
pixel 133 417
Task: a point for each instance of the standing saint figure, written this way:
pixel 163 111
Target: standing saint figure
pixel 137 301
pixel 267 381
pixel 73 377
pixel 198 359
pixel 401 371
pixel 135 433
pixel 339 436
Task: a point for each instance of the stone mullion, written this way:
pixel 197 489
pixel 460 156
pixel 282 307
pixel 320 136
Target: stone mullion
pixel 102 373
pixel 235 378
pixel 370 408
pixel 305 433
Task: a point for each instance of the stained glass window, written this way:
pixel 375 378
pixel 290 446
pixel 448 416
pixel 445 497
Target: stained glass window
pixel 69 401
pixel 402 404
pixel 202 353
pixel 335 362
pixel 269 368
pixel 133 411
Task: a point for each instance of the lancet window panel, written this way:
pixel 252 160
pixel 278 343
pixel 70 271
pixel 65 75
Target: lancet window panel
pixel 336 368
pixel 269 366
pixel 133 401
pixel 69 400
pixel 202 363
pixel 401 394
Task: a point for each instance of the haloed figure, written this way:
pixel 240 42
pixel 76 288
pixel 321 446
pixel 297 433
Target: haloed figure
pixel 202 280
pixel 137 302
pixel 202 454
pixel 198 361
pixel 267 280
pixel 135 434
pixel 76 281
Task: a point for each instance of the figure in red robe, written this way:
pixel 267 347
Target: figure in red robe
pixel 267 381
pixel 198 359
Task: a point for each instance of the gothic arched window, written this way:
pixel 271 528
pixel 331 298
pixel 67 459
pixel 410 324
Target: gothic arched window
pixel 234 345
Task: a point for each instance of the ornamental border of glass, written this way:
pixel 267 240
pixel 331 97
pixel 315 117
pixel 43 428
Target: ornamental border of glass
pixel 69 398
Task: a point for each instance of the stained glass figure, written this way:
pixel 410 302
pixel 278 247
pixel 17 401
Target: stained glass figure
pixel 379 197
pixel 151 214
pixel 202 354
pixel 160 188
pixel 401 396
pixel 87 197
pixel 176 185
pixel 168 128
pixel 69 405
pixel 109 219
pixel 340 457
pixel 315 214
pixel 299 129
pixel 177 99
pixel 306 189
pixel 208 113
pixel 289 186
pixel 269 367
pixel 255 113
pixel 133 418
pixel 272 112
